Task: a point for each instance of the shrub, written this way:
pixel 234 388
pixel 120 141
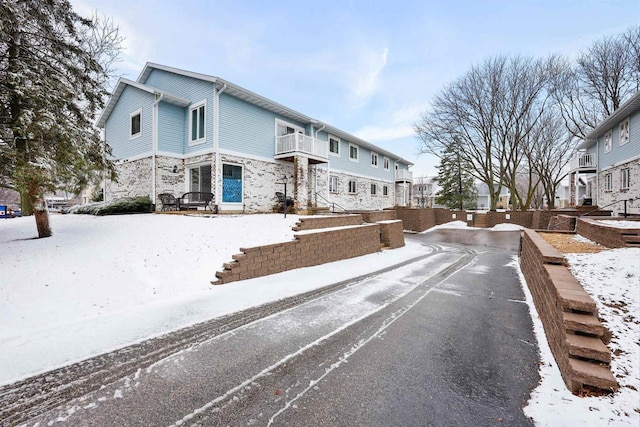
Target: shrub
pixel 115 207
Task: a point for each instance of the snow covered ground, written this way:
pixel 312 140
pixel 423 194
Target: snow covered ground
pixel 100 283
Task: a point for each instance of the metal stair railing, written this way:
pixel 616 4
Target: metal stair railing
pixel 596 210
pixel 333 204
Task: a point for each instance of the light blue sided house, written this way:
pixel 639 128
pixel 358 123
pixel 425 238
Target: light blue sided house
pixel 175 131
pixel 609 161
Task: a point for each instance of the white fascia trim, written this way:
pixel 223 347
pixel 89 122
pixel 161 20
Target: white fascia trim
pixel 252 157
pixel 134 158
pixel 186 155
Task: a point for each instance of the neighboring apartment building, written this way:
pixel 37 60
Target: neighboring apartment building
pixel 174 131
pixel 424 192
pixel 609 159
pixel 484 197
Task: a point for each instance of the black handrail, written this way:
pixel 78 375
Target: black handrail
pixel 333 204
pixel 595 210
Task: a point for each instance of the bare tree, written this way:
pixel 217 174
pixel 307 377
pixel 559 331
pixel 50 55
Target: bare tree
pixel 552 147
pixel 488 116
pixel 632 39
pixel 603 77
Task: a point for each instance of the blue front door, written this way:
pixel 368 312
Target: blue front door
pixel 231 183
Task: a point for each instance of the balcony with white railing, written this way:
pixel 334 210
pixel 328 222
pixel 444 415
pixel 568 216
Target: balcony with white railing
pixel 583 162
pixel 404 175
pixel 293 144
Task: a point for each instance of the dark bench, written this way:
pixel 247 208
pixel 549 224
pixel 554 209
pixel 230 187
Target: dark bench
pixel 195 200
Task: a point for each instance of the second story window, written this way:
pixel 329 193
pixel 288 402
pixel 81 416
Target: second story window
pixel 374 160
pixel 353 152
pixel 385 163
pixel 624 132
pixel 334 145
pixel 607 142
pixel 136 124
pixel 197 122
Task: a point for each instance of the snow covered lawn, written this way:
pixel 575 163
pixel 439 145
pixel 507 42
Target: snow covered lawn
pixel 100 283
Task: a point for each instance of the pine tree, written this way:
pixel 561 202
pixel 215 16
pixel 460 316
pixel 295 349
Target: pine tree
pixel 457 186
pixel 52 86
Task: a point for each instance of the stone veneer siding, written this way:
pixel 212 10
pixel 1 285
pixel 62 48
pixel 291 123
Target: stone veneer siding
pixel 616 194
pixel 568 314
pixel 260 182
pixel 133 180
pixel 611 237
pixel 362 199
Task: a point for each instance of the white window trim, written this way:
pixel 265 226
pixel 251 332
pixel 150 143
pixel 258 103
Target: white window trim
pixel 339 143
pixel 624 124
pixel 607 147
pixel 349 186
pixel 131 116
pixel 374 189
pixel 608 182
pixel 386 161
pixel 377 157
pixel 357 159
pixel 337 181
pixel 622 173
pixel 232 204
pixel 197 106
pixel 385 190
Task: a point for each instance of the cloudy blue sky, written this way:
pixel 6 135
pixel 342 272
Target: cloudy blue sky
pixel 367 67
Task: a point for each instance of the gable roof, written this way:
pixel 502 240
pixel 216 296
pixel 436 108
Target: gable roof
pixel 122 84
pixel 630 106
pixel 267 104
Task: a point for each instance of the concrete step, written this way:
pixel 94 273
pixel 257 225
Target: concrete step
pixel 591 348
pixel 584 323
pixel 592 374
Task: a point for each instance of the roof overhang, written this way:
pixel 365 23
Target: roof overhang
pixel 625 110
pixel 122 84
pixel 269 105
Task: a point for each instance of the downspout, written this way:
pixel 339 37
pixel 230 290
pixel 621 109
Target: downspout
pixel 216 142
pixel 154 147
pixel 315 169
pixel 597 172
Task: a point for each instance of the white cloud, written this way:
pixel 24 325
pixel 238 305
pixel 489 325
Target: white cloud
pixel 365 78
pixel 398 125
pixel 385 133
